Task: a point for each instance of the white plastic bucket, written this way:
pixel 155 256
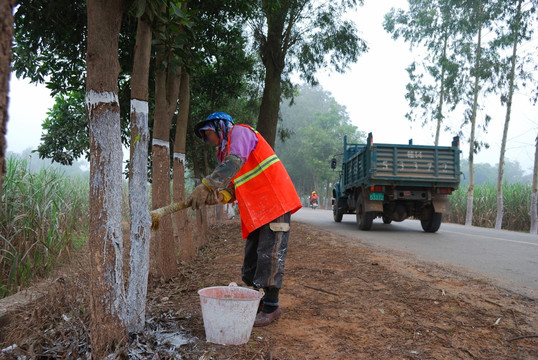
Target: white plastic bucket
pixel 229 313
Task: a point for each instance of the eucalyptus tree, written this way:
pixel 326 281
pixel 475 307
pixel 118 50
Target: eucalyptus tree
pixel 431 27
pixel 6 34
pixel 478 16
pixel 518 18
pixel 300 36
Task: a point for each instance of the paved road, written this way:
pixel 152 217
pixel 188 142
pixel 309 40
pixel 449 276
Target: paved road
pixel 506 257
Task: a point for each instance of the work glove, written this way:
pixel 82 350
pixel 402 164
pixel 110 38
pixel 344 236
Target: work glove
pixel 212 198
pixel 200 196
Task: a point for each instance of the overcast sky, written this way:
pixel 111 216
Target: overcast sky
pixel 372 90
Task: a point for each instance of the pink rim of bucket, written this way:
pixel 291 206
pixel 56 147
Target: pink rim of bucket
pixel 211 293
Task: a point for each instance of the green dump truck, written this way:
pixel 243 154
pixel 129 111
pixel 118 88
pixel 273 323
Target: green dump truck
pixel 395 182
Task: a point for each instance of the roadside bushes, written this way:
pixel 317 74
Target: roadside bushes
pixel 44 214
pixel 516 198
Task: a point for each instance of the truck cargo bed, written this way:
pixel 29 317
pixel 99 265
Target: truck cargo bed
pixel 403 165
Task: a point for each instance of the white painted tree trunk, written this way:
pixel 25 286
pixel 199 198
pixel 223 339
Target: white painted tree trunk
pixel 500 204
pixel 140 218
pixel 106 242
pixel 107 292
pixel 138 179
pixel 470 194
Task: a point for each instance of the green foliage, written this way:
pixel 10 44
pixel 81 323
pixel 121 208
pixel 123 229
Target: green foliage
pixel 50 43
pixel 66 134
pixel 439 78
pixel 516 198
pixel 300 37
pixel 324 40
pixel 42 214
pixel 447 31
pixel 317 125
pixel 225 77
pixel 211 46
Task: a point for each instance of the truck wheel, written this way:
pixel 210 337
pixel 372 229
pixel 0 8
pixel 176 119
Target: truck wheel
pixel 386 220
pixel 431 222
pixel 364 219
pixel 337 216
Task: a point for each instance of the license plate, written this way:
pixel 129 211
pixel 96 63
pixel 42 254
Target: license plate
pixel 376 196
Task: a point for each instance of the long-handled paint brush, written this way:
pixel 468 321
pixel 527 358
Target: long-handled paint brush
pixel 169 209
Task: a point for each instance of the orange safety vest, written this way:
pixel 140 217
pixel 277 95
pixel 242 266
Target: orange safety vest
pixel 263 188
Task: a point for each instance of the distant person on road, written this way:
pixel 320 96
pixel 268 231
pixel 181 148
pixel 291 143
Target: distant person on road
pixel 314 198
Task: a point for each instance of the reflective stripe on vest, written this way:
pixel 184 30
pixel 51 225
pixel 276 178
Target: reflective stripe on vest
pixel 256 171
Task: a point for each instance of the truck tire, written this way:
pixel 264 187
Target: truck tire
pixel 364 219
pixel 386 220
pixel 337 216
pixel 431 223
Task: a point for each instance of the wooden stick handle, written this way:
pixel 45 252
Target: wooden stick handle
pixel 169 209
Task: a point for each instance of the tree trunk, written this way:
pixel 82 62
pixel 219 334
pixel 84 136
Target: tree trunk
pixel 200 225
pixel 500 204
pixel 269 107
pixel 107 295
pixel 273 55
pixel 534 202
pixel 181 220
pixel 470 193
pixel 166 94
pixel 439 115
pixel 6 34
pixel 138 178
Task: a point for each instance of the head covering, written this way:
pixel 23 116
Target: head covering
pixel 221 123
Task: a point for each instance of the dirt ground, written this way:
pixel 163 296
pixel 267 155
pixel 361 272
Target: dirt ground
pixel 340 300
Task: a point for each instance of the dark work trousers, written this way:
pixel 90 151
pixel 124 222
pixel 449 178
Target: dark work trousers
pixel 265 253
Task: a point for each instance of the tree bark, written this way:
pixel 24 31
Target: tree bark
pixel 273 54
pixel 183 230
pixel 500 204
pixel 107 295
pixel 439 115
pixel 138 189
pixel 534 191
pixel 6 35
pixel 269 107
pixel 470 193
pixel 167 81
pixel 200 225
